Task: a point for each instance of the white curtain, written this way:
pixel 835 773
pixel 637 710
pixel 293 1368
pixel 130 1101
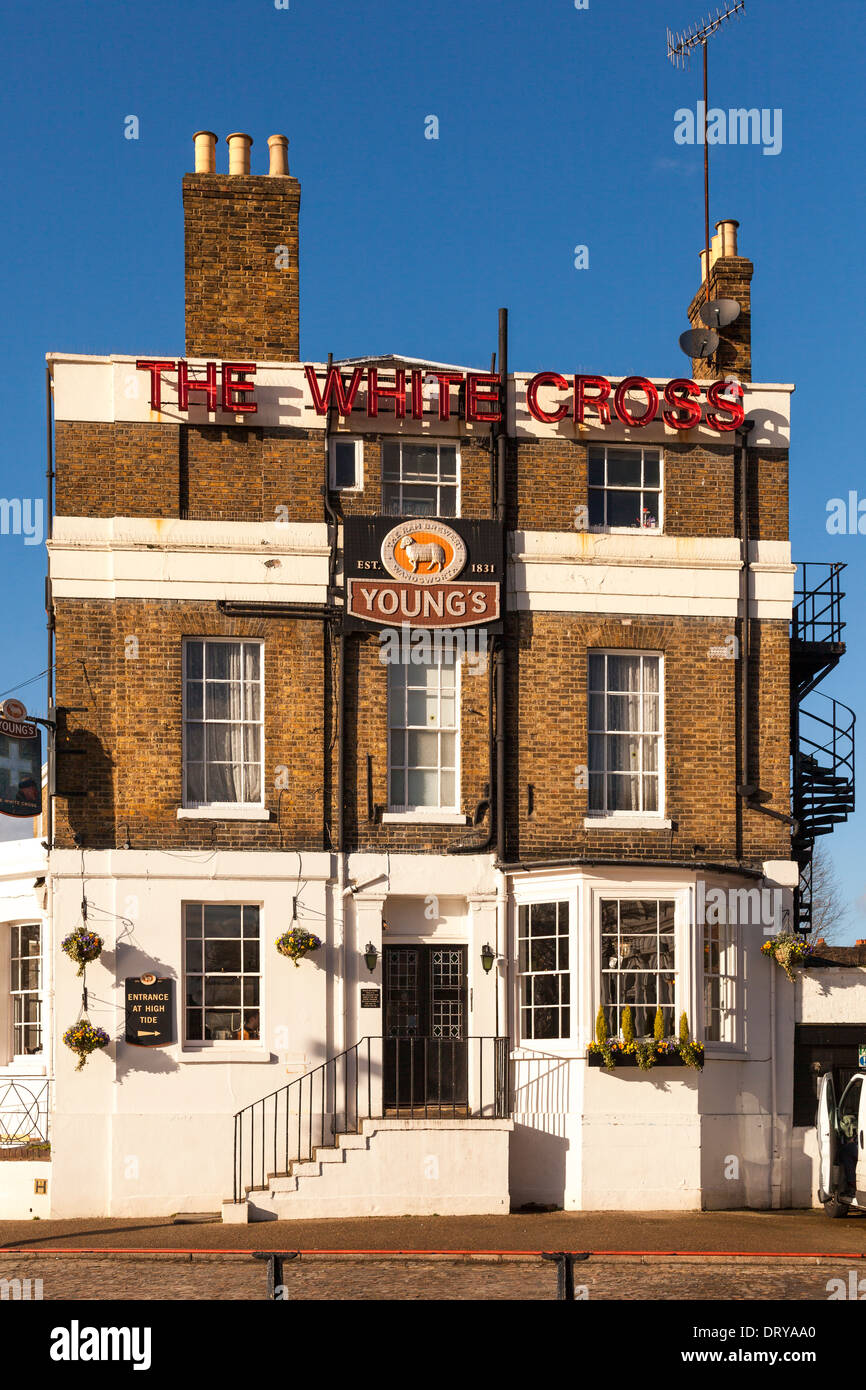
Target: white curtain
pixel 225 696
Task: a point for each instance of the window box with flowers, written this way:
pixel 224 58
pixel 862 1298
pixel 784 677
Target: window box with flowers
pixel 645 1053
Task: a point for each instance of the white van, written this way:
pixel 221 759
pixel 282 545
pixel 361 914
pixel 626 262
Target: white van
pixel 836 1125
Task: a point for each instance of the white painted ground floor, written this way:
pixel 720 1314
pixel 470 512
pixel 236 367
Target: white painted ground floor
pixel 451 1077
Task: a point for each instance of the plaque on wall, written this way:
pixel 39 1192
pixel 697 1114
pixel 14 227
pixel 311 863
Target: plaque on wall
pixel 371 999
pixel 149 1011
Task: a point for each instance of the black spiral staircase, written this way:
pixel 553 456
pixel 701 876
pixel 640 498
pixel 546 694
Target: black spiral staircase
pixel 822 731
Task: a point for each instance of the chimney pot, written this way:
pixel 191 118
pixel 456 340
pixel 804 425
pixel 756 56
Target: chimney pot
pixel 723 243
pixel 239 152
pixel 727 235
pixel 205 151
pixel 860 941
pixel 278 146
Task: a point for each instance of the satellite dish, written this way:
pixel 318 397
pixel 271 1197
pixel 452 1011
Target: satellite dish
pixel 699 342
pixel 718 313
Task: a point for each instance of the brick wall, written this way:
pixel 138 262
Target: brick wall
pixel 238 473
pixel 239 304
pixel 367 734
pixel 730 278
pixel 548 738
pixel 125 714
pixel 105 469
pixel 125 717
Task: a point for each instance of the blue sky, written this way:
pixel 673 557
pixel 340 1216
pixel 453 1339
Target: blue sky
pixel 555 129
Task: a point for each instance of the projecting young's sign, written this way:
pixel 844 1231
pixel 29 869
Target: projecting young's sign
pixel 424 572
pixel 20 762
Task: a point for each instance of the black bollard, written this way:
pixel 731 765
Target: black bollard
pixel 565 1272
pixel 275 1268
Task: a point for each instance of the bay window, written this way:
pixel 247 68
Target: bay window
pixel 638 963
pixel 543 970
pixel 720 981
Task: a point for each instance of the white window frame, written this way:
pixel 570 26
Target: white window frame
pixel 430 442
pixel 641 449
pixel 193 1045
pixel 12 1060
pixel 686 963
pixel 727 936
pixel 200 807
pixel 558 901
pixel 408 810
pixel 629 819
pixel 627 893
pixel 357 441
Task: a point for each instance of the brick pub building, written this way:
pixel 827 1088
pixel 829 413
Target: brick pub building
pixel 493 833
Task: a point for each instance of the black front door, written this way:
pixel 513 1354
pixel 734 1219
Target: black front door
pixel 425 1030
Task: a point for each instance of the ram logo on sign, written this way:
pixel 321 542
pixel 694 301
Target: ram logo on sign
pixel 424 552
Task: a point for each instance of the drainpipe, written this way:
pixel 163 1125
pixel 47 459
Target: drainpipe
pixel 499 662
pixel 341 993
pixel 48 1001
pixel 49 614
pixel 775 1176
pixel 495 798
pixel 743 788
pixel 499 656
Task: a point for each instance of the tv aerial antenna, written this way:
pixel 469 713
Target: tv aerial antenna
pixel 720 312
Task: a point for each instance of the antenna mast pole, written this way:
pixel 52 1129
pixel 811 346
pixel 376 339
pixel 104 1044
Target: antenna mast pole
pixel 706 180
pixel 680 51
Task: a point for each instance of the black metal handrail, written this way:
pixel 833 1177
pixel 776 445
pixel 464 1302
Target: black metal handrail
pixel 397 1076
pixel 817 611
pixel 830 739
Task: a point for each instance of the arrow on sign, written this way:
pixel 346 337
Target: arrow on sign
pixel 148 1032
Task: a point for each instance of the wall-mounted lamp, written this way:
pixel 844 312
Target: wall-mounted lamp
pixel 488 956
pixel 371 955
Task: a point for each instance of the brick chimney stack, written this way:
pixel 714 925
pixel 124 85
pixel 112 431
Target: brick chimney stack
pixel 730 278
pixel 241 254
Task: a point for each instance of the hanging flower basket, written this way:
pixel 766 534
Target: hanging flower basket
pixel 297 943
pixel 83 1038
pixel 788 952
pixel 82 946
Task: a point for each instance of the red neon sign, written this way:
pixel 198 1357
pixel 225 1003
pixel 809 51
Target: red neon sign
pixel 232 387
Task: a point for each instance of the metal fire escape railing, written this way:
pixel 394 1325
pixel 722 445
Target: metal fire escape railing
pixel 399 1077
pixel 822 737
pixel 816 625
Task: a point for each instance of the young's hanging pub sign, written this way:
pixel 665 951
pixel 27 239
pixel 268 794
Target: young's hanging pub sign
pixel 20 762
pixel 424 572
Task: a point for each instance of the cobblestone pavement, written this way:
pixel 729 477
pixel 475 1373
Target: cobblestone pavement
pixel 242 1278
pixel 784 1232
